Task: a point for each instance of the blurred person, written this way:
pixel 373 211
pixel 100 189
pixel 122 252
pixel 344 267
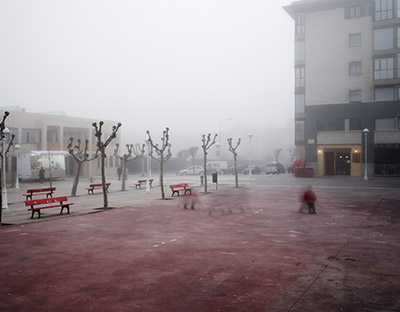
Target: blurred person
pixel 308 198
pixel 119 172
pixel 41 175
pixel 190 200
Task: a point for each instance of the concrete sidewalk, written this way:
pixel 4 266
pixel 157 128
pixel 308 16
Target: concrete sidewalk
pixel 157 256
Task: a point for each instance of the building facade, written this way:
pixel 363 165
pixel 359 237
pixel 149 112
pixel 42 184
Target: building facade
pixel 347 85
pixel 51 133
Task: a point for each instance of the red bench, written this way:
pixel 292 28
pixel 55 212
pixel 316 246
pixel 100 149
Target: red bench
pixel 96 186
pixel 44 203
pixel 41 191
pixel 139 183
pixel 183 187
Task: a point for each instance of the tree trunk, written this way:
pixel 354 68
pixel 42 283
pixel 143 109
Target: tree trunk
pixel 162 176
pixel 1 199
pixel 236 173
pixel 205 172
pixel 76 179
pixel 123 161
pixel 103 177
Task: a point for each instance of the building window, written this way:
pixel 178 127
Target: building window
pixel 354 40
pixel 354 68
pixel 384 123
pixel 355 124
pixel 299 103
pixel 300 26
pixel 383 10
pixel 300 131
pixel 355 12
pixel 330 125
pixel 384 93
pixel 383 39
pixel 398 66
pixel 355 96
pixel 299 82
pixel 52 134
pixel 299 51
pixel 31 136
pixel 383 68
pixel 398 8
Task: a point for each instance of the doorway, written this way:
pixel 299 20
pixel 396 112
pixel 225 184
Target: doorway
pixel 337 162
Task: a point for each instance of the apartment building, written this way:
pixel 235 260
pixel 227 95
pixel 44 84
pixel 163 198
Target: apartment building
pixel 49 134
pixel 347 85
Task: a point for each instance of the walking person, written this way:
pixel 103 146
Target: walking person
pixel 309 199
pixel 119 172
pixel 41 175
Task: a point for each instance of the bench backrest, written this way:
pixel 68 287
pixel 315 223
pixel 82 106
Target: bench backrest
pixel 98 184
pixel 144 181
pixel 43 201
pixel 47 189
pixel 178 185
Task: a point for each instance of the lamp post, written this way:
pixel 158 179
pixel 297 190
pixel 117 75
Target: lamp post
pixel 6 133
pixel 148 167
pixel 365 131
pixel 17 147
pixel 250 136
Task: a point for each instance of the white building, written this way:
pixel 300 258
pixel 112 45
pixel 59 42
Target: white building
pixel 347 79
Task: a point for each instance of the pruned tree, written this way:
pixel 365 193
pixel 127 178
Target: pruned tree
pixel 192 152
pixel 80 156
pixel 292 153
pixel 207 143
pixel 140 152
pixel 125 158
pixel 101 146
pixel 163 154
pixel 3 154
pixel 233 150
pixel 277 152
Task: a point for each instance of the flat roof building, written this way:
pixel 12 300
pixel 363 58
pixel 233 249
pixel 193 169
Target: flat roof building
pixel 347 80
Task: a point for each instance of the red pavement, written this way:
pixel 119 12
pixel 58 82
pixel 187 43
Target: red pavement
pixel 160 257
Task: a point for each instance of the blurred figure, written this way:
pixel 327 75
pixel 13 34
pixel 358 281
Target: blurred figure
pixel 41 175
pixel 119 172
pixel 308 198
pixel 190 200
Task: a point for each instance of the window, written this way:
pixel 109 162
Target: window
pixel 383 39
pixel 52 134
pixel 299 77
pixel 355 12
pixel 398 66
pixel 299 131
pixel 354 68
pixel 330 125
pixel 383 10
pixel 300 23
pixel 398 8
pixel 31 136
pixel 354 40
pixel 355 96
pixel 384 93
pixel 383 68
pixel 299 51
pixel 355 124
pixel 76 133
pixel 384 123
pixel 299 100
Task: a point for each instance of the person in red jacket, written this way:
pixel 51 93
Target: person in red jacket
pixel 309 198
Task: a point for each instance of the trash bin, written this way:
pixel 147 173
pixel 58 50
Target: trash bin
pixel 215 177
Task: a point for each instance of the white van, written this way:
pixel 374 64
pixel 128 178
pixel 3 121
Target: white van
pixel 217 166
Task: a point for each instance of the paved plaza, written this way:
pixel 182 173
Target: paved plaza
pixel 147 254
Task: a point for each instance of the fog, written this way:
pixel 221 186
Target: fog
pixel 195 66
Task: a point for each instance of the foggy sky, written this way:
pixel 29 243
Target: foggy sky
pixel 185 64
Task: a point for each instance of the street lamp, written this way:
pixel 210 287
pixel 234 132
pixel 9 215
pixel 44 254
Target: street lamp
pixel 17 147
pixel 148 167
pixel 250 136
pixel 365 131
pixel 6 133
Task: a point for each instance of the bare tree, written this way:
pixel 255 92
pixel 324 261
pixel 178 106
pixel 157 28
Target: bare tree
pixel 80 156
pixel 207 143
pixel 3 154
pixel 192 152
pixel 233 150
pixel 101 146
pixel 161 156
pixel 125 158
pixel 292 153
pixel 277 152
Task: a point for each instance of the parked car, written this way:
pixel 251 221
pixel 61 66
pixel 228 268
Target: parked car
pixel 192 170
pixel 281 168
pixel 254 170
pixel 272 168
